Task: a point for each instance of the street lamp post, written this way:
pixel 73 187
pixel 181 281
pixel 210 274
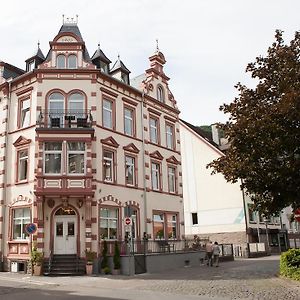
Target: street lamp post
pixel 267 235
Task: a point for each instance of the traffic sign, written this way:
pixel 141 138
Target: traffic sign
pixel 127 221
pixel 31 228
pixel 297 214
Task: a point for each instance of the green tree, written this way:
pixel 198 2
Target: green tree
pixel 117 258
pixel 263 130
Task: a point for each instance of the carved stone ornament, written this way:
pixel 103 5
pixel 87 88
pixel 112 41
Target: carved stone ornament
pixel 51 203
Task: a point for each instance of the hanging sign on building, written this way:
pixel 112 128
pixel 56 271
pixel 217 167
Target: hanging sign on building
pixel 31 228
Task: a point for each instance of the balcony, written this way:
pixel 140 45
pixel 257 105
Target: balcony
pixel 65 119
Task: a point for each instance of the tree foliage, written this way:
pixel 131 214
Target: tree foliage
pixel 264 130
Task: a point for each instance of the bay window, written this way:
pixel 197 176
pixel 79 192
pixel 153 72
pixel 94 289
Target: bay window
pixel 53 157
pixel 76 154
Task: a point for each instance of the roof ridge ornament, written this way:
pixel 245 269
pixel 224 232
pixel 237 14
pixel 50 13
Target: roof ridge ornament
pixel 157 48
pixel 70 21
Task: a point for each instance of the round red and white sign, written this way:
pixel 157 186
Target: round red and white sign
pixel 127 221
pixel 297 214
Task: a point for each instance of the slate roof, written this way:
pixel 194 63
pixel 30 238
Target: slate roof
pixel 38 54
pixel 118 65
pixel 202 133
pixel 10 70
pixel 100 54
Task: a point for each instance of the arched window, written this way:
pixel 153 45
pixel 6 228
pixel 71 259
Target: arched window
pixel 76 103
pixel 72 62
pixel 160 94
pixel 61 61
pixel 56 106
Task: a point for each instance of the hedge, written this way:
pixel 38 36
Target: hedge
pixel 290 264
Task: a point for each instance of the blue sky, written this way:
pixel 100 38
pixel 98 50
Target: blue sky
pixel 207 43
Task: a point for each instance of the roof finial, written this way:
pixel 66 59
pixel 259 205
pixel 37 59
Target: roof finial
pixel 118 56
pixel 99 45
pixel 157 48
pixel 38 43
pixel 76 19
pixel 63 16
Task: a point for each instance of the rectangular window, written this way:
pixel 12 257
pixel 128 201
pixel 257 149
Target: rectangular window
pixel 170 136
pixel 108 166
pixel 172 179
pixel 194 218
pixel 128 121
pixel 252 214
pixel 25 113
pixel 129 170
pixel 76 151
pixel 165 225
pixel 53 157
pixel 22 165
pixel 109 223
pixel 153 130
pixel 107 114
pixel 21 217
pixel 155 174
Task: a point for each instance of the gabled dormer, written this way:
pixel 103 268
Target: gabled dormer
pixel 101 61
pixel 35 60
pixel 120 71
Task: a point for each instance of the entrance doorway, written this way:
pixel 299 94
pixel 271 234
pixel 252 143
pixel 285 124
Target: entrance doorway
pixel 65 231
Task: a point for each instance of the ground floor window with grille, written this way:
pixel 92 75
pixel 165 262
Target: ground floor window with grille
pixel 109 223
pixel 165 225
pixel 21 217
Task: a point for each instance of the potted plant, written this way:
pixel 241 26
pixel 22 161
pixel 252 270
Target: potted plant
pixel 117 260
pixel 104 263
pixel 36 258
pixel 90 257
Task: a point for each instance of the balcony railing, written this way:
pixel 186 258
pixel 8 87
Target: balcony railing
pixel 65 119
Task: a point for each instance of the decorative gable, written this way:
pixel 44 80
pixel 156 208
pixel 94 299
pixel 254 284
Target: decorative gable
pixel 156 155
pixel 110 141
pixel 21 141
pixel 173 160
pixel 131 148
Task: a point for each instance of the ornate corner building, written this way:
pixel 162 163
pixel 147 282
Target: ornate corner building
pixel 83 147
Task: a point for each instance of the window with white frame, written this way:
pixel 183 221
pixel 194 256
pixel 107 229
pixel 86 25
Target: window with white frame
pixel 129 170
pixel 61 61
pixel 109 223
pixel 170 136
pixel 172 179
pixel 76 106
pixel 155 176
pixel 56 109
pixel 76 157
pixel 108 166
pixel 165 225
pixel 72 61
pixel 128 121
pixel 153 130
pixel 53 157
pixel 22 165
pixel 25 113
pixel 21 217
pixel 107 113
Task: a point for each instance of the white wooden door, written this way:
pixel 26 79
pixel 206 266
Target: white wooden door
pixel 65 235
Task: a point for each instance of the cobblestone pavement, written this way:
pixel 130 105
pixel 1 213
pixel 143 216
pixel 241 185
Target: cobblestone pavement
pixel 250 279
pixel 242 279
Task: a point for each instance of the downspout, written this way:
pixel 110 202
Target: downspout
pixel 5 172
pixel 145 235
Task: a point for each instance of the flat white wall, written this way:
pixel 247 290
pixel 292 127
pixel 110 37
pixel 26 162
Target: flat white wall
pixel 219 204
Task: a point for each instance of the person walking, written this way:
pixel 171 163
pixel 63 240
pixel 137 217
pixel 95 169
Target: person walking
pixel 209 253
pixel 216 253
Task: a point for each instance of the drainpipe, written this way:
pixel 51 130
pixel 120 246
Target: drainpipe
pixel 144 169
pixel 5 194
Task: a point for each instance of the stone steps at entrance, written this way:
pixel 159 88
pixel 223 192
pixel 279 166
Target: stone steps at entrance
pixel 68 265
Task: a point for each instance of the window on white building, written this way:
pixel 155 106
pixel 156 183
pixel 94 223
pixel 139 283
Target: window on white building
pixel 22 165
pixel 172 179
pixel 128 121
pixel 72 61
pixel 170 136
pixel 160 94
pixel 194 218
pixel 107 114
pixel 108 166
pixel 129 170
pixel 155 176
pixel 21 217
pixel 109 223
pixel 165 225
pixel 25 113
pixel 153 130
pixel 61 61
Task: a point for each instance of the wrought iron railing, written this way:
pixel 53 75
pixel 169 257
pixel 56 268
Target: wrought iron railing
pixel 71 118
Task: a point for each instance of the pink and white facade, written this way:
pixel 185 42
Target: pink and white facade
pixel 82 148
